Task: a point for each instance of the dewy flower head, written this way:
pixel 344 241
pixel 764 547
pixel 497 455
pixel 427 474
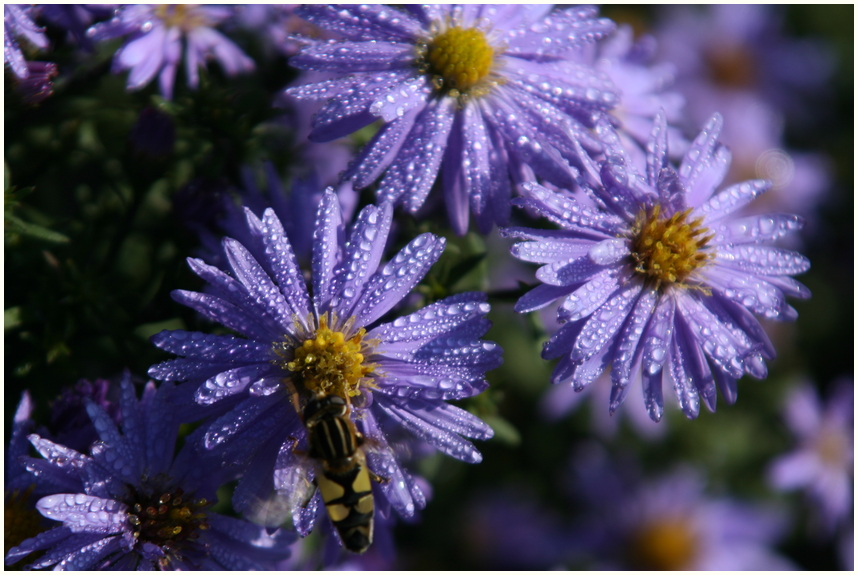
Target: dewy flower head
pixel 155 44
pixel 395 376
pixel 132 505
pixel 486 94
pixel 663 279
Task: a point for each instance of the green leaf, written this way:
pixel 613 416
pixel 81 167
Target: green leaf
pixel 464 267
pixel 12 318
pixel 147 330
pixel 505 432
pixel 16 225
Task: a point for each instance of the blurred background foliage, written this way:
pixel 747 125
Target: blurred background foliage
pixel 100 184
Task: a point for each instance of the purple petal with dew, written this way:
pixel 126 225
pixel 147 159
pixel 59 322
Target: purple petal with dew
pixel 398 100
pixel 551 250
pixel 133 424
pixel 696 364
pixel 383 462
pixel 683 380
pixel 750 291
pixel 499 172
pixel 627 348
pixel 58 455
pixel 789 286
pixel 284 266
pixel 350 57
pixel 412 174
pixel 569 214
pixel 84 513
pixel 252 415
pixel 376 156
pixel 592 295
pixel 476 168
pixel 195 344
pixel 525 142
pixel 700 152
pixel 328 89
pixel 438 424
pixel 763 260
pixel 259 285
pixel 363 22
pixel 251 496
pixel 328 239
pixel 162 429
pixel 624 192
pixel 562 341
pixel 619 392
pixel 727 385
pixel 363 253
pixel 294 500
pixel 89 556
pixel 656 158
pixel 172 55
pixel 453 180
pixel 657 337
pixel 143 55
pixel 614 146
pixel 746 324
pixel 117 456
pixel 66 549
pixel 433 320
pixel 246 540
pixel 211 43
pixel 350 112
pixel 652 392
pixel 432 382
pixel 756 229
pixel 397 278
pixel 49 477
pixel 703 327
pixel 568 272
pixel 671 192
pixel 569 30
pixel 46 540
pixel 188 369
pixel 729 200
pixel 539 297
pixel 461 350
pixel 608 252
pixel 587 371
pixel 232 382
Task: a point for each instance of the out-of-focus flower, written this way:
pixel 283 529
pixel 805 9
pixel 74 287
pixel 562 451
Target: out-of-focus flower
pixel 18 22
pixel 644 90
pixel 38 84
pixel 667 523
pixel 277 25
pixel 132 505
pixel 822 464
pixel 396 375
pixel 487 95
pixel 155 45
pixel 70 423
pixel 663 282
pixel 76 18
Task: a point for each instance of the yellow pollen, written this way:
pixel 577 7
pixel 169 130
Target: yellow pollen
pixel 668 251
pixel 664 545
pixel 328 363
pixel 461 57
pixel 179 16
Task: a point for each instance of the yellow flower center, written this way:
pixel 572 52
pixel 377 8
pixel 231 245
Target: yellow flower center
pixel 179 16
pixel 20 520
pixel 462 57
pixel 664 545
pixel 668 251
pixel 332 362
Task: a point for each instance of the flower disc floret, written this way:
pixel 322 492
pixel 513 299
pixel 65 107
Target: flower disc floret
pixel 665 545
pixel 331 361
pixel 461 57
pixel 180 16
pixel 167 520
pixel 669 250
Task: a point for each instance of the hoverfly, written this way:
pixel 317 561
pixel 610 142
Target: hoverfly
pixel 345 477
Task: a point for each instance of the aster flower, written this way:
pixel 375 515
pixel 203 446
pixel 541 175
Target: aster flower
pixel 396 375
pixel 822 464
pixel 662 282
pixel 70 423
pixel 155 44
pixel 18 22
pixel 485 94
pixel 38 84
pixel 130 504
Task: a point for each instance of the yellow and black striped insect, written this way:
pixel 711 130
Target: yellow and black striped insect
pixel 345 477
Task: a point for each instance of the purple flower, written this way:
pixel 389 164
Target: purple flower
pixel 672 524
pixel 483 94
pixel 822 464
pixel 76 18
pixel 17 22
pixel 662 282
pixel 155 45
pixel 70 423
pixel 38 84
pixel 396 375
pixel 131 505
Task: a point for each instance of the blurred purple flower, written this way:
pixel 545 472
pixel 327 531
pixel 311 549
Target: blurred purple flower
pixel 277 25
pixel 131 504
pixel 663 279
pixel 70 423
pixel 485 94
pixel 822 464
pixel 76 18
pixel 38 84
pixel 18 22
pixel 396 376
pixel 155 45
